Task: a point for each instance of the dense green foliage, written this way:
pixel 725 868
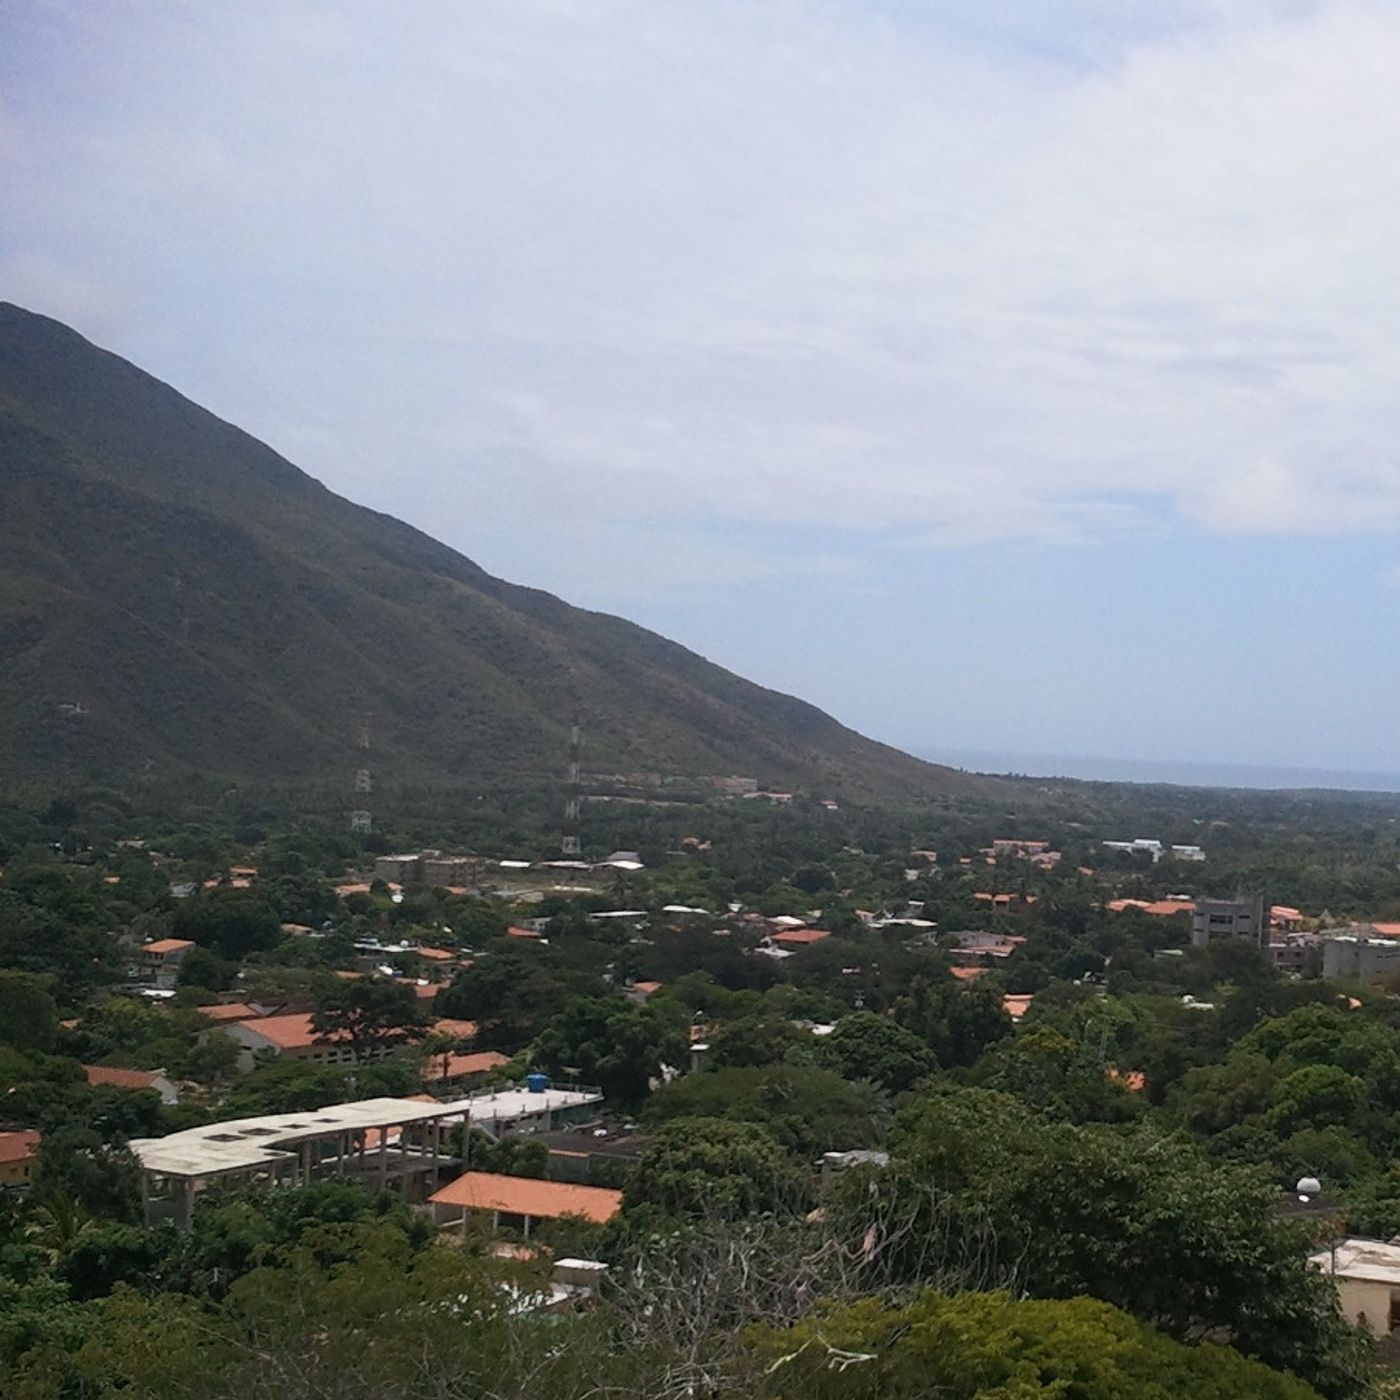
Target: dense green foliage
pixel 985 1347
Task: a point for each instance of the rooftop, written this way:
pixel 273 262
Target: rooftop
pixel 290 1031
pixel 456 1066
pixel 17 1146
pixel 1373 1260
pixel 453 1026
pixel 506 1105
pixel 168 945
pixel 1017 1004
pixel 519 1195
pixel 800 936
pixel 229 1011
pixel 240 1143
pixel 120 1078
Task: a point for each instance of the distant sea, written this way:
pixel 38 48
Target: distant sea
pixel 1150 770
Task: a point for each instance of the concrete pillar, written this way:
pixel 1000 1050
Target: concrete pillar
pixel 182 1200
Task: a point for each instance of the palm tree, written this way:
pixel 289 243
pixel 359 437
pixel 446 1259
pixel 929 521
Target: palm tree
pixel 58 1225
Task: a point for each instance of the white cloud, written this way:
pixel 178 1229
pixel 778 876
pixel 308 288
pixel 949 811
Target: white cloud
pixel 807 264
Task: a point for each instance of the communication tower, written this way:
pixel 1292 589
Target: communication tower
pixel 360 820
pixel 570 845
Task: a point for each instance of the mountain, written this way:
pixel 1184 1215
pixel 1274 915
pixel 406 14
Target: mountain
pixel 176 600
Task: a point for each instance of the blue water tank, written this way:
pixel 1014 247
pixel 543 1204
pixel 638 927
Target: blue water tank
pixel 536 1083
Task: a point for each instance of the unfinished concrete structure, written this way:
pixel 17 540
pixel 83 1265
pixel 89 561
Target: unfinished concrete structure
pixel 383 1142
pixel 380 1142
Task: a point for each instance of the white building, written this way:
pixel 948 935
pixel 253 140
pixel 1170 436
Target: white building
pixel 1367 1278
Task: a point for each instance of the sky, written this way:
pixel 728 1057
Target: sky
pixel 1018 376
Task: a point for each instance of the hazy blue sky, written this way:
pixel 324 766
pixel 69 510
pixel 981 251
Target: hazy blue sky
pixel 1014 376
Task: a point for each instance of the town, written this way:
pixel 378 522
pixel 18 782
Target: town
pixel 752 1018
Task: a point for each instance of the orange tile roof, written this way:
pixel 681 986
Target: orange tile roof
pixel 291 1031
pixel 19 1146
pixel 119 1078
pixel 1387 930
pixel 1165 908
pixel 647 987
pixel 168 945
pixel 514 932
pixel 968 974
pixel 801 937
pixel 357 888
pixel 520 1195
pixel 456 1066
pixel 435 954
pixel 1016 1006
pixel 229 1011
pixel 1162 908
pixel 463 1030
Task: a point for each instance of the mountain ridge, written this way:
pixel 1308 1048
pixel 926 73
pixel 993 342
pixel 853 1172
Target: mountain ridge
pixel 213 609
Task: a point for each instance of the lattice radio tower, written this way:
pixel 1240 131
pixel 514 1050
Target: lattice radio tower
pixel 569 844
pixel 360 820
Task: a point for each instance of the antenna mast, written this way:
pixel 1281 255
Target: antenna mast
pixel 360 820
pixel 570 845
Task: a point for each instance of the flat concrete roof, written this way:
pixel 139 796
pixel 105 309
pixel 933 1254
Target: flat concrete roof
pixel 503 1105
pixel 1371 1260
pixel 240 1143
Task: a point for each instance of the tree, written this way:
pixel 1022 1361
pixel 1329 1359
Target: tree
pixel 748 1042
pixel 371 1015
pixel 713 1168
pixel 105 1254
pixel 1141 1221
pixel 616 1044
pixel 1060 1076
pixel 285 1086
pixel 203 967
pixel 1315 1096
pixel 958 1023
pixel 973 1345
pixel 46 927
pixel 510 992
pixel 806 1109
pixel 57 1225
pixel 28 1012
pixel 75 1164
pixel 867 1046
pixel 233 922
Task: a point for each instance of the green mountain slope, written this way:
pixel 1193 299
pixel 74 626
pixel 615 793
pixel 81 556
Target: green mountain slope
pixel 176 599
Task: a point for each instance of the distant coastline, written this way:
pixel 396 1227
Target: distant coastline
pixel 1148 770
